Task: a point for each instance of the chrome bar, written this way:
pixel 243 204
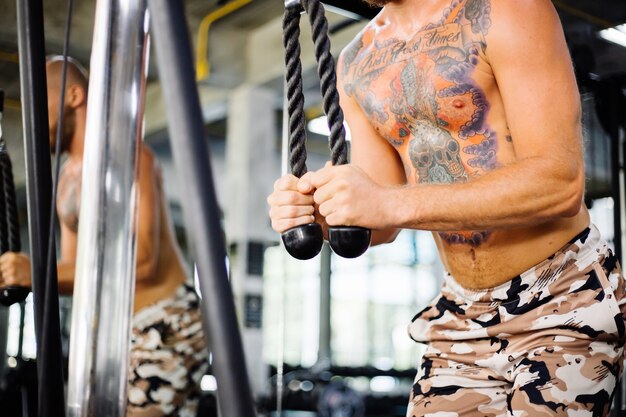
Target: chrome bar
pixel 324 353
pixel 105 267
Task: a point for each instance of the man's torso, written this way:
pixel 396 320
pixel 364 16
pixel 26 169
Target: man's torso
pixel 433 96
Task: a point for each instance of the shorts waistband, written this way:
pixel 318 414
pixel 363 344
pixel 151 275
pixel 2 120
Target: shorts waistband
pixel 587 247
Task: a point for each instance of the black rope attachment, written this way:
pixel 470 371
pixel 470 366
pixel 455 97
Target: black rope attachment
pixel 305 242
pixel 9 224
pixel 295 96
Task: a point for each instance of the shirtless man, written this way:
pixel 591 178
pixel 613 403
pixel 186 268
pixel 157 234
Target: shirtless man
pixel 465 121
pixel 166 317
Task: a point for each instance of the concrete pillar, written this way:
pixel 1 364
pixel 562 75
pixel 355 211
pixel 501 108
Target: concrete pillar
pixel 252 165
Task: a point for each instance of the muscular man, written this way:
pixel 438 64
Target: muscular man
pixel 168 355
pixel 465 121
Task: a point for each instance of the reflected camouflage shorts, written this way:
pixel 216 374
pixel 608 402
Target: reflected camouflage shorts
pixel 547 343
pixel 168 358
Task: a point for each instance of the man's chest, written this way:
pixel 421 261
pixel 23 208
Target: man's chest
pixel 429 77
pixel 68 196
pixel 429 97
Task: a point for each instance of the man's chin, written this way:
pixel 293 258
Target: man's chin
pixel 53 146
pixel 378 3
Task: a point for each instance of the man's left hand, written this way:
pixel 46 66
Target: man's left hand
pixel 347 196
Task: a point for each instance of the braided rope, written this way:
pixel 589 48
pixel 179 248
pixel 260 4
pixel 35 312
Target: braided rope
pixel 10 198
pixel 328 81
pixel 328 86
pixel 295 96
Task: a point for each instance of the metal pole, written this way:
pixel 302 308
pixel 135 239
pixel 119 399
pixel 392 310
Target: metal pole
pixel 324 355
pixel 619 233
pixel 105 268
pixel 617 168
pixel 39 194
pixel 615 121
pixel 202 217
pixel 615 129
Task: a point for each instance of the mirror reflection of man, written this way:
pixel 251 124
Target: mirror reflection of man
pixel 168 355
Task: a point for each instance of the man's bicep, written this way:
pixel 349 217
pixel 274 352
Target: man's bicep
pixel 369 151
pixel 69 241
pixel 534 75
pixel 148 219
pixel 373 154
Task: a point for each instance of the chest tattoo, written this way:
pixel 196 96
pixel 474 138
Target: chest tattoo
pixel 68 199
pixel 420 95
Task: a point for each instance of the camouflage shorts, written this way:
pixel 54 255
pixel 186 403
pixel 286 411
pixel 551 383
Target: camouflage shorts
pixel 547 343
pixel 168 358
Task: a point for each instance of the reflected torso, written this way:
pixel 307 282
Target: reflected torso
pixel 169 272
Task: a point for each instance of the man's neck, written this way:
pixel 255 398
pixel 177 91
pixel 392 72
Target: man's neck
pixel 412 14
pixel 77 144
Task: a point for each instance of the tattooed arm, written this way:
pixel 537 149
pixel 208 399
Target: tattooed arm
pixel 545 182
pixel 370 152
pixel 533 72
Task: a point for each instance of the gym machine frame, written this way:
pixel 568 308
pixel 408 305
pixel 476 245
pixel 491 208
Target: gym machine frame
pixel 38 188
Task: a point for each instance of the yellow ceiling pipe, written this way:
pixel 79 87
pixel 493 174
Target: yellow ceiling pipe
pixel 9 57
pixel 203 67
pixel 10 103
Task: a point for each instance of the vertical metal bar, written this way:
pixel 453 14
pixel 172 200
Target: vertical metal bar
pixel 615 121
pixel 192 159
pixel 324 355
pixel 39 194
pixel 280 363
pixel 614 132
pixel 105 267
pixel 622 182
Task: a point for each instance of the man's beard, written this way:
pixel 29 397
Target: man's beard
pixel 69 125
pixel 377 3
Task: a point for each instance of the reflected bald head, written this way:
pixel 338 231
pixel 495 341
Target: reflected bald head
pixel 76 74
pixel 74 105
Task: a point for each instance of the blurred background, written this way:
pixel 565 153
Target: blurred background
pixel 283 304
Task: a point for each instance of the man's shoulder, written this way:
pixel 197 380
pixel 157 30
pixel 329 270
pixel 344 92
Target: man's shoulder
pixel 146 151
pixel 149 163
pixel 520 13
pixel 358 46
pixel 528 23
pixel 147 155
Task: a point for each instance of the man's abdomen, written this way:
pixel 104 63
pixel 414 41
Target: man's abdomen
pixel 504 254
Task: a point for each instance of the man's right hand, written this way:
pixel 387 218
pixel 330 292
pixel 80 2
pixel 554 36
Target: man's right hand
pixel 15 270
pixel 288 206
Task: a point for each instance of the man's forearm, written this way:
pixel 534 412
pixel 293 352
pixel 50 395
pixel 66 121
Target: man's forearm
pixel 65 276
pixel 496 200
